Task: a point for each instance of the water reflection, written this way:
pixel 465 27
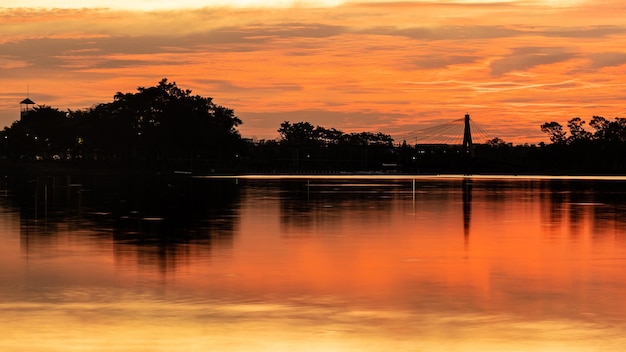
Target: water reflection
pixel 312 264
pixel 576 204
pixel 467 207
pixel 308 203
pixel 155 220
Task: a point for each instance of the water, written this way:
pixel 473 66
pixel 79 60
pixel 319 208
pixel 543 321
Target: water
pixel 312 264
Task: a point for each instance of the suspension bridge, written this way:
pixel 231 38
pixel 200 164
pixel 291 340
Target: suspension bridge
pixel 463 132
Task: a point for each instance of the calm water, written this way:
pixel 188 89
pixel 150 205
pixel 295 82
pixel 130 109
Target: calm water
pixel 355 264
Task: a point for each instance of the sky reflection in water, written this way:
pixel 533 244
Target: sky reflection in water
pixel 312 264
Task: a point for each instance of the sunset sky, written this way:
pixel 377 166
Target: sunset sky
pixel 389 66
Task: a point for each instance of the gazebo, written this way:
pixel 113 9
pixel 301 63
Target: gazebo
pixel 25 106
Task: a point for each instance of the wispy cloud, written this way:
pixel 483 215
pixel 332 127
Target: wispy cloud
pixel 524 58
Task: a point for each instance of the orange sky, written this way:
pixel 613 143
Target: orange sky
pixel 393 67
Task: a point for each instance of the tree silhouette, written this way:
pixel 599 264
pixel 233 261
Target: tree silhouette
pixel 577 131
pixel 161 125
pixel 165 122
pixel 298 133
pixel 603 151
pixel 306 146
pixel 496 143
pixel 555 131
pixel 43 131
pixel 609 131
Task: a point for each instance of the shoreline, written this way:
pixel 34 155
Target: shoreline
pixel 34 168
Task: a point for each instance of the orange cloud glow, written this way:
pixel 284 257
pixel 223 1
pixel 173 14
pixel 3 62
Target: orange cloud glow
pixel 393 67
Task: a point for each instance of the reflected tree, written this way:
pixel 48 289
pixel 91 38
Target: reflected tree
pixel 157 217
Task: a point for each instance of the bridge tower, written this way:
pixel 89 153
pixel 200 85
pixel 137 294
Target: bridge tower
pixel 467 147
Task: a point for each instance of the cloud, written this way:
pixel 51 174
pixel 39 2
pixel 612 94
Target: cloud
pixel 228 86
pixel 525 58
pixel 151 5
pixel 52 52
pixel 474 32
pixel 446 32
pixel 295 30
pixel 440 61
pixel 585 32
pixel 600 60
pixel 407 4
pixel 357 66
pixel 499 87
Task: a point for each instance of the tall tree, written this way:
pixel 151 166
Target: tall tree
pixel 555 132
pixel 298 133
pixel 165 122
pixel 609 131
pixel 577 131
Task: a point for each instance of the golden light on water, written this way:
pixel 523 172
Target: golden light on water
pixel 158 326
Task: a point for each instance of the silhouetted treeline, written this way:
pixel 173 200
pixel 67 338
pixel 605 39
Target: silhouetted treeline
pixel 162 126
pixel 602 150
pixel 303 147
pixel 167 128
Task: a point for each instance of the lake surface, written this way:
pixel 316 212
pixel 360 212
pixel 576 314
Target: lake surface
pixel 91 263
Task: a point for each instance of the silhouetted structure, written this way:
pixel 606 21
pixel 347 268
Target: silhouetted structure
pixel 467 146
pixel 25 107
